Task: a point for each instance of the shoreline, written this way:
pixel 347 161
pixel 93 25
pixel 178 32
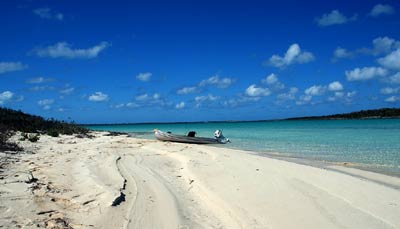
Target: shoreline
pixel 155 184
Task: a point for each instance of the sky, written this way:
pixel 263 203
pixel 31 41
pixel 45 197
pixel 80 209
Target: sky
pixel 158 61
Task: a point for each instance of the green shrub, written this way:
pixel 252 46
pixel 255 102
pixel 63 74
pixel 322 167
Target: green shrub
pixel 33 137
pixel 53 133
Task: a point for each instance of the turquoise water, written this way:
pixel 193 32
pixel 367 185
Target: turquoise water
pixel 372 144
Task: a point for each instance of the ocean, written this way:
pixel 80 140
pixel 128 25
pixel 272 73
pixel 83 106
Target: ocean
pixel 370 144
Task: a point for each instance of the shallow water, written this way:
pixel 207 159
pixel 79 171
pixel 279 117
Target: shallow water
pixel 372 144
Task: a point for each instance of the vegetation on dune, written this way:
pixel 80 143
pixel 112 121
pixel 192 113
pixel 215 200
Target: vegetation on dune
pixel 12 120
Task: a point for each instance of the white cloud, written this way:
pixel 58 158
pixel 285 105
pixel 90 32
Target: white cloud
pixel 41 88
pixel 186 90
pixel 335 86
pixel 127 105
pixel 293 55
pixel 132 105
pixel 391 61
pixel 380 45
pixel 63 49
pixel 5 97
pixel 346 97
pixel 98 97
pixel 121 105
pixel 254 91
pixel 216 81
pixel 46 103
pixel 366 73
pixel 67 91
pixel 384 45
pixel 393 99
pixel 11 67
pixel 271 79
pixel 142 97
pixel 144 76
pixel 204 98
pixel 341 53
pixel 47 13
pixel 180 105
pixel 38 80
pixel 381 9
pixel 390 90
pixel 290 95
pixel 235 102
pixel 304 99
pixel 334 18
pixel 315 90
pixel 156 97
pixel 394 79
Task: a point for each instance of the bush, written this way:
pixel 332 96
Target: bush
pixel 7 146
pixel 53 133
pixel 33 137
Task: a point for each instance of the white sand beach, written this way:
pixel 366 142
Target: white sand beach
pixel 172 185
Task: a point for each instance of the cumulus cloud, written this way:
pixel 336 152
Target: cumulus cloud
pixel 65 50
pixel 47 13
pixel 273 81
pixel 126 105
pixel 394 79
pixel 381 9
pixel 67 91
pixel 46 103
pixel 217 81
pixel 335 86
pixel 390 90
pixel 315 90
pixel 5 97
pixel 208 97
pixel 180 105
pixel 38 80
pixel 341 53
pixel 186 90
pixel 393 99
pixel 345 97
pixel 383 45
pixel 199 100
pixel 41 88
pixel 144 76
pixel 270 79
pixel 98 97
pixel 334 18
pixel 255 91
pixel 380 45
pixel 366 73
pixel 304 99
pixel 391 61
pixel 293 55
pixel 11 67
pixel 290 95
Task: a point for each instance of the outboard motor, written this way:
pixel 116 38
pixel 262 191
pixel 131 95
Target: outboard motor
pixel 218 135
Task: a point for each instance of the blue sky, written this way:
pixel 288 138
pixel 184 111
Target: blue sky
pixel 127 61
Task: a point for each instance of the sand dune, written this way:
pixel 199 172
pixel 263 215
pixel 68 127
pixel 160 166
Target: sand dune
pixel 169 185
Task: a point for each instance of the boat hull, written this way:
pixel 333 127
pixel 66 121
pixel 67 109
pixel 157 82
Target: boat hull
pixel 164 136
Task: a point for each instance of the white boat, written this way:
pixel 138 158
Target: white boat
pixel 191 138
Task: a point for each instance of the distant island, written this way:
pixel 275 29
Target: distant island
pixel 363 114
